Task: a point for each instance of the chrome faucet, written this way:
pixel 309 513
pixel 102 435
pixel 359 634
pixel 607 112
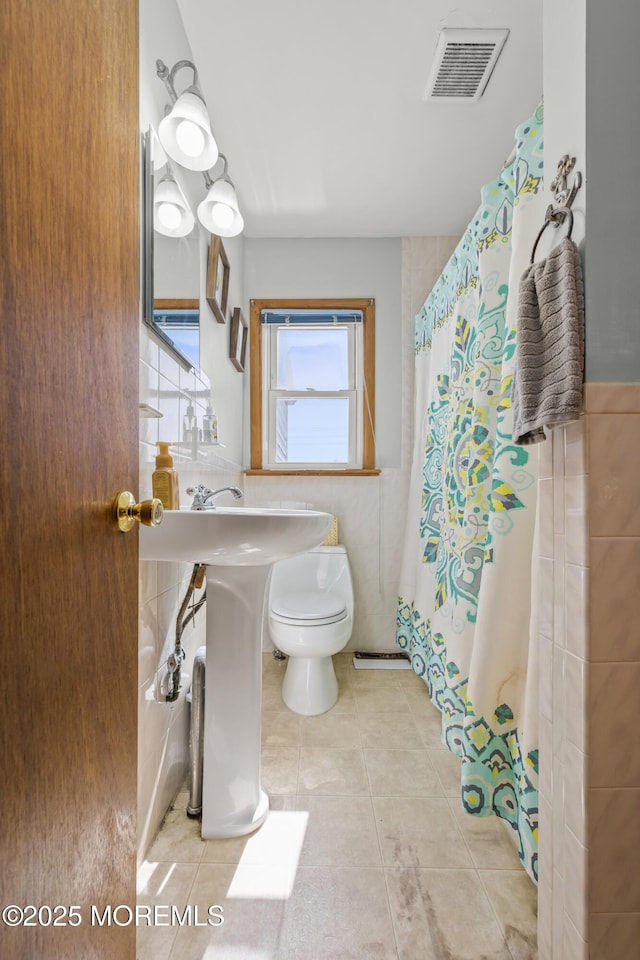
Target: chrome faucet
pixel 202 496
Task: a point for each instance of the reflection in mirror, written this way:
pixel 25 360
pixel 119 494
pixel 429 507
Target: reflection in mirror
pixel 171 265
pixel 180 321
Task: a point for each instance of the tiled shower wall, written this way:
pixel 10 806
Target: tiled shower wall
pixel 371 511
pixel 589 891
pixel 163 727
pixel 613 681
pixel 562 613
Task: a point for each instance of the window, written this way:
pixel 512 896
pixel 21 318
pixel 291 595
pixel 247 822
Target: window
pixel 178 322
pixel 312 373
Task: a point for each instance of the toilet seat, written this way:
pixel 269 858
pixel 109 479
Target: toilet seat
pixel 312 607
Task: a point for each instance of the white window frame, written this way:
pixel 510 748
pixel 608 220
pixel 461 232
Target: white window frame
pixel 271 395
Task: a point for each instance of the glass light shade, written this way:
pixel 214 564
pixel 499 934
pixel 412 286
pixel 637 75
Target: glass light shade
pixel 179 138
pixel 222 215
pixel 190 138
pixel 219 212
pixel 171 215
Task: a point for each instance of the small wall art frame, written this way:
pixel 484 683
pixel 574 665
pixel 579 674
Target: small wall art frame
pixel 238 339
pixel 217 290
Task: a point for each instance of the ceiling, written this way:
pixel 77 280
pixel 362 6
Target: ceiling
pixel 319 109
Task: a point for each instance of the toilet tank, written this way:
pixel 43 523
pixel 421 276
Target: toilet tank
pixel 324 568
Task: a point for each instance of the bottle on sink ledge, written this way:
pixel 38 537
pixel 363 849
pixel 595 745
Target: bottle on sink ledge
pixel 164 479
pixel 210 426
pixel 189 425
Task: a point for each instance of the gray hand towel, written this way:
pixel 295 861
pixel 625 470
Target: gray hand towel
pixel 549 362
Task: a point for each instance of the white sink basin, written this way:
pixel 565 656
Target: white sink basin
pixel 246 536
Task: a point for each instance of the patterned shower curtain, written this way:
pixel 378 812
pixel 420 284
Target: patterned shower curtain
pixel 464 610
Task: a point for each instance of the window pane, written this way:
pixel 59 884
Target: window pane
pixel 313 359
pixel 186 339
pixel 314 430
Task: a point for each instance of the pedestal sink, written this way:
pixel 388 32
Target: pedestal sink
pixel 239 546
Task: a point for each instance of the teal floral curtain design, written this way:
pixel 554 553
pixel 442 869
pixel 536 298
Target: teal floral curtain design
pixel 464 611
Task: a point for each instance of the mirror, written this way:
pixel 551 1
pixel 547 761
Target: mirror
pixel 171 269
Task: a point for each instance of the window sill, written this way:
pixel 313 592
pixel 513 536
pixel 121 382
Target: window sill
pixel 374 472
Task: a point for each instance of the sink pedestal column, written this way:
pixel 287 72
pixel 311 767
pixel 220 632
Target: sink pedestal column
pixel 233 801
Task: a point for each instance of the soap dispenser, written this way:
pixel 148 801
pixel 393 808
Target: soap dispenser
pixel 165 479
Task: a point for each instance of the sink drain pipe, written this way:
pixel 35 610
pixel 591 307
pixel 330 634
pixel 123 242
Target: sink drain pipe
pixel 176 659
pixel 196 733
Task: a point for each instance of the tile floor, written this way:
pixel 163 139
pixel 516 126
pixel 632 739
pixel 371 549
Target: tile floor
pixel 365 855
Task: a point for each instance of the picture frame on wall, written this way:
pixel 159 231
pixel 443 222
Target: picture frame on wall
pixel 238 339
pixel 217 289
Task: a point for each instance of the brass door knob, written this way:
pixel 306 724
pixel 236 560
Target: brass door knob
pixel 126 511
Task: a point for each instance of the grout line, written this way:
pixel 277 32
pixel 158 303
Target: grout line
pixel 495 914
pixel 391 916
pixel 188 900
pixel 170 955
pixel 298 764
pixel 449 801
pixel 366 770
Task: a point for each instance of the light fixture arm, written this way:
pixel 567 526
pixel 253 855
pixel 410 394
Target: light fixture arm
pixel 167 173
pixel 223 176
pixel 168 77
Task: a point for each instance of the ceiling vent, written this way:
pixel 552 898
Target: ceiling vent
pixel 464 62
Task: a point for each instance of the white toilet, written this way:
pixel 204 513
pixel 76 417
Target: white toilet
pixel 310 619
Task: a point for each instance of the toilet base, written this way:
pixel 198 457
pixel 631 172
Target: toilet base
pixel 310 686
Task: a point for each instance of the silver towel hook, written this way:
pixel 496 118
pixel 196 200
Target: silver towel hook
pixel 564 193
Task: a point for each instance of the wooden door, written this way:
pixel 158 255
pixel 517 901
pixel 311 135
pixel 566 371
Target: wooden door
pixel 69 288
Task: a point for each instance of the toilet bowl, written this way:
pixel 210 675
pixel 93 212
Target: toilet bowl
pixel 310 619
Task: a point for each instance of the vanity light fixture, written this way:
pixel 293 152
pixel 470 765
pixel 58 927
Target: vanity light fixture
pixel 219 212
pixel 171 214
pixel 185 131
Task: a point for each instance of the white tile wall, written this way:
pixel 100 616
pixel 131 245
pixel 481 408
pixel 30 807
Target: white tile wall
pixel 563 850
